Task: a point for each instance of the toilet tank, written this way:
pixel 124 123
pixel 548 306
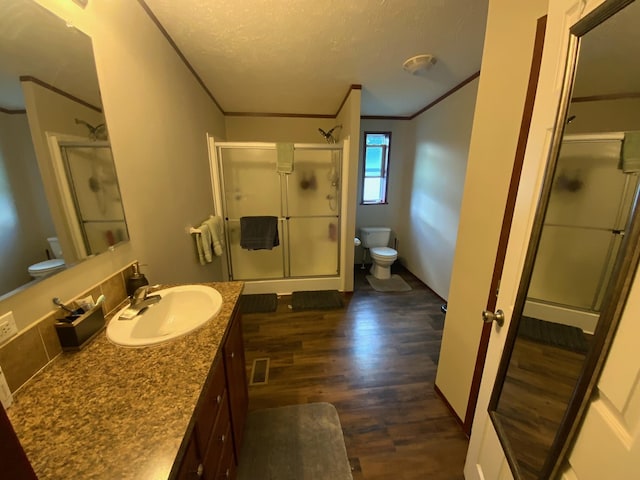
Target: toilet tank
pixel 375 236
pixel 54 244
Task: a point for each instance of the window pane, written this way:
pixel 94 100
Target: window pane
pixel 372 188
pixel 373 161
pixel 377 139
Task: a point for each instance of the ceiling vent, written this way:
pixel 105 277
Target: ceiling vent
pixel 419 63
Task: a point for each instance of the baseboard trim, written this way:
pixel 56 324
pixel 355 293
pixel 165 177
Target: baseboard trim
pixel 451 410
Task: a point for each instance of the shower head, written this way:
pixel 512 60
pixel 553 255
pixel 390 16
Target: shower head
pixel 99 132
pixel 328 136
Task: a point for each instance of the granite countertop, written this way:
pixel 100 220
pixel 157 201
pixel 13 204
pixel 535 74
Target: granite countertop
pixel 110 412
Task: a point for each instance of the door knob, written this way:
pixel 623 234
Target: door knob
pixel 488 317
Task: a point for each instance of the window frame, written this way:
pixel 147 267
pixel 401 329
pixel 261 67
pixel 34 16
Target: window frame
pixel 385 167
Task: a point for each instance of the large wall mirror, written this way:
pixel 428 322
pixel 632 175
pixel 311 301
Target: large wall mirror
pixel 583 251
pixel 59 195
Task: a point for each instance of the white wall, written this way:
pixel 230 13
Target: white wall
pixel 158 116
pixel 25 221
pixel 430 220
pixel 506 64
pixel 393 214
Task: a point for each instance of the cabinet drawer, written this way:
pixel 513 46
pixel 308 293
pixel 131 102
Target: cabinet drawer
pixel 219 442
pixel 227 466
pixel 214 400
pixel 191 467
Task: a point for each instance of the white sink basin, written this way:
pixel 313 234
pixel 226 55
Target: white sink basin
pixel 180 311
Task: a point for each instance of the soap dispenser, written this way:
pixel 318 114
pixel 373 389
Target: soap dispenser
pixel 136 280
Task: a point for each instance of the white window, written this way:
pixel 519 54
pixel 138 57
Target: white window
pixel 376 167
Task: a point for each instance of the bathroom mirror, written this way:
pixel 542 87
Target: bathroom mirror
pixel 583 250
pixel 49 87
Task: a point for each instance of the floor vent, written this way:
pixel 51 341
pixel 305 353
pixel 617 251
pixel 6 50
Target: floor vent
pixel 260 372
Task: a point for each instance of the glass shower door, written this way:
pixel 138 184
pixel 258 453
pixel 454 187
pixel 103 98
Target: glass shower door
pixel 586 217
pixel 313 194
pixel 251 188
pixel 94 188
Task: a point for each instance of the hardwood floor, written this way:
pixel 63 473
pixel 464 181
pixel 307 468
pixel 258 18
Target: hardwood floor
pixel 540 381
pixel 375 360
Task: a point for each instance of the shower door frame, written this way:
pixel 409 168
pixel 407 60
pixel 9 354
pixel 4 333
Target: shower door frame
pixel 283 285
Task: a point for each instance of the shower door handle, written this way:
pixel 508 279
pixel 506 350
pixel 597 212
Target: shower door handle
pixel 498 317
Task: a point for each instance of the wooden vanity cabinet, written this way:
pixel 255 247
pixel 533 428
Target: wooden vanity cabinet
pixel 234 365
pixel 214 446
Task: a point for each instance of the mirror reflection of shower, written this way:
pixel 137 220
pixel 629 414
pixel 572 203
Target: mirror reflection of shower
pixel 333 176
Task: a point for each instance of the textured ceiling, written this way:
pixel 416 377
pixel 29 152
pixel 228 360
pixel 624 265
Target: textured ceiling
pixel 301 56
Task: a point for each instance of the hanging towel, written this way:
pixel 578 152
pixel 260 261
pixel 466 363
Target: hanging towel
pixel 259 233
pixel 203 243
pixel 216 228
pixel 284 163
pixel 210 239
pixel 630 161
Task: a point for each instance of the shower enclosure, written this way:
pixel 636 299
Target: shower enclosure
pixel 588 210
pixel 305 201
pixel 88 186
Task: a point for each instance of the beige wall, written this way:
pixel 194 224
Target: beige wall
pixel 504 75
pixel 50 112
pixel 432 213
pixel 277 129
pixel 604 116
pixel 393 214
pixel 158 118
pixel 25 221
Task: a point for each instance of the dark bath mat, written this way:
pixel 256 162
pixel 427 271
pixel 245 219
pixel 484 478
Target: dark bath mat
pixel 318 300
pixel 259 303
pixel 294 443
pixel 556 334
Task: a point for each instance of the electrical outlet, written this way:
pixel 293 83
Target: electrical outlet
pixel 8 327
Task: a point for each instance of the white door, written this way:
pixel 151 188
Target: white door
pixel 607 444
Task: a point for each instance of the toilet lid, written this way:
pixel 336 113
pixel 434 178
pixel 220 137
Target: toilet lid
pixel 383 252
pixel 47 265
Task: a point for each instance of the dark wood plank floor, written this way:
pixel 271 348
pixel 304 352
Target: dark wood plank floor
pixel 537 389
pixel 375 360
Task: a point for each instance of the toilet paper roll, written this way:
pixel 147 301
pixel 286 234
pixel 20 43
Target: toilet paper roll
pixel 357 242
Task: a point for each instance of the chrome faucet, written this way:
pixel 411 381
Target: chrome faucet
pixel 140 301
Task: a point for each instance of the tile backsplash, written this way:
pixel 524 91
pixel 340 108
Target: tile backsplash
pixel 33 348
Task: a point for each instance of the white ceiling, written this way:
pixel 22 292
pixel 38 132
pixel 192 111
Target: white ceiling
pixel 301 56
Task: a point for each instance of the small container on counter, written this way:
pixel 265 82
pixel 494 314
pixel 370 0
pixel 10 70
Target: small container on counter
pixel 75 334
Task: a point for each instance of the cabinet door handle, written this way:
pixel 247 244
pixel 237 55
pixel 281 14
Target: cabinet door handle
pixel 200 470
pixel 226 474
pixel 222 439
pixel 233 354
pixel 218 399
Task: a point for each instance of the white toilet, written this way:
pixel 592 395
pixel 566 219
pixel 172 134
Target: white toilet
pixel 376 240
pixel 47 267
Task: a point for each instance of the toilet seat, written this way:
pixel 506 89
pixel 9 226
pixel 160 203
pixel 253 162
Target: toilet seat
pixel 41 269
pixel 383 253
